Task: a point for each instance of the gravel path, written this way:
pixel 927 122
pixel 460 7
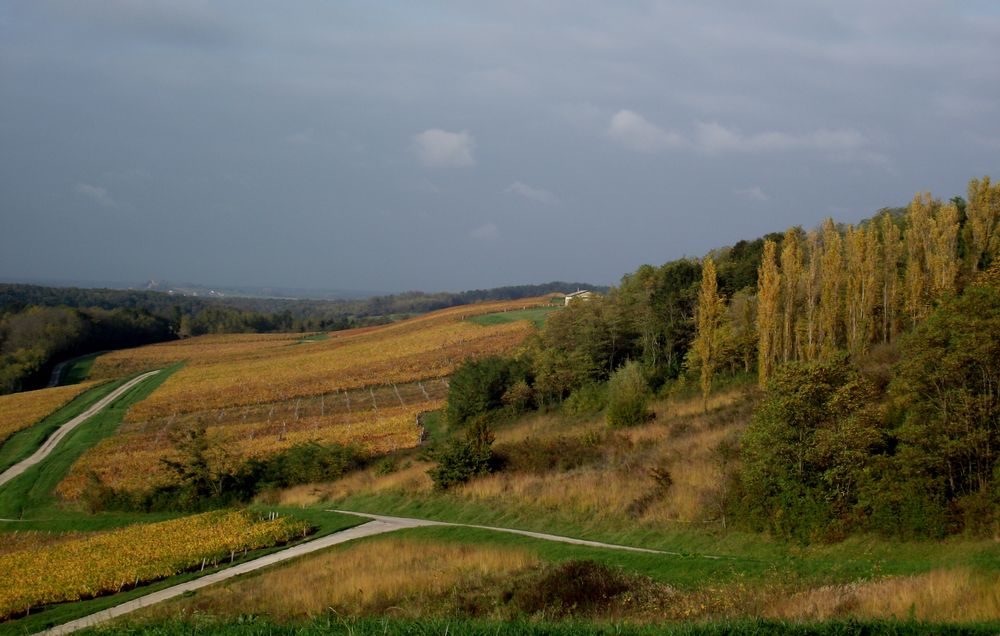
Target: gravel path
pixel 379 524
pixel 406 522
pixel 366 530
pixel 65 429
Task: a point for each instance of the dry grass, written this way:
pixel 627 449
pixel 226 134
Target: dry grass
pixel 411 478
pixel 682 442
pixel 20 410
pixel 400 576
pixel 939 596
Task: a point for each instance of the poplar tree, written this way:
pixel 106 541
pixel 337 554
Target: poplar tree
pixel 768 321
pixel 863 265
pixel 982 226
pixel 871 282
pixel 709 318
pixel 892 250
pixel 942 253
pixel 791 282
pixel 830 302
pixel 854 287
pixel 811 288
pixel 918 231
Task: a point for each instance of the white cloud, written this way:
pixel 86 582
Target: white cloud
pixel 753 193
pixel 486 232
pixel 538 195
pixel 436 148
pixel 96 194
pixel 635 133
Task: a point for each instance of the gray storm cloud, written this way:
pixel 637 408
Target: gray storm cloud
pixel 452 146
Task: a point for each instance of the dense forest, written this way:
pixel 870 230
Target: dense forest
pixel 39 326
pixel 876 348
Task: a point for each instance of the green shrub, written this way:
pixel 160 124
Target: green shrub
pixel 811 449
pixel 461 460
pixel 519 397
pixel 386 466
pixel 588 399
pixel 628 395
pixel 478 387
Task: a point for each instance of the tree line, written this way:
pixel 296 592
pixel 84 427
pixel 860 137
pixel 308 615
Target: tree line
pixel 39 326
pixel 849 288
pixel 877 347
pixel 31 339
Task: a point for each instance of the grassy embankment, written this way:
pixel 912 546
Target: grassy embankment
pixel 78 369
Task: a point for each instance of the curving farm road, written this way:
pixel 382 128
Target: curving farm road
pixel 379 524
pixel 64 430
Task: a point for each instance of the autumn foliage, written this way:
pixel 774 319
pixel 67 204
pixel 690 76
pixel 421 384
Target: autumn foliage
pixel 89 566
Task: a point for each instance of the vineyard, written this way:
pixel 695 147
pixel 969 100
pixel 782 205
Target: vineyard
pixel 258 395
pixel 39 572
pixel 21 410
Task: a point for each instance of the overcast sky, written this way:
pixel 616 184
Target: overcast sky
pixel 455 145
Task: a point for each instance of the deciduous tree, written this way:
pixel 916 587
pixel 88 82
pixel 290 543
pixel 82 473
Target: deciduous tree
pixel 710 312
pixel 768 312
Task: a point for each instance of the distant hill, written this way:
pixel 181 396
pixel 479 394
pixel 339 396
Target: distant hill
pixel 204 290
pixel 41 325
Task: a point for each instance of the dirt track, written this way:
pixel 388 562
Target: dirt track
pixel 379 524
pixel 65 429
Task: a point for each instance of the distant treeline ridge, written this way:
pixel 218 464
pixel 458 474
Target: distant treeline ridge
pixel 39 326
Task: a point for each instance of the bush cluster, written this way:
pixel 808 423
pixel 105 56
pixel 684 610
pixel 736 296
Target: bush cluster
pixel 198 486
pixel 539 456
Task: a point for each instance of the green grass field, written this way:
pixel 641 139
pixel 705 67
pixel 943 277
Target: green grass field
pixel 537 315
pixel 77 369
pixel 743 556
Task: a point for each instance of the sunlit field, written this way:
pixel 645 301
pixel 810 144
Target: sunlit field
pixel 259 395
